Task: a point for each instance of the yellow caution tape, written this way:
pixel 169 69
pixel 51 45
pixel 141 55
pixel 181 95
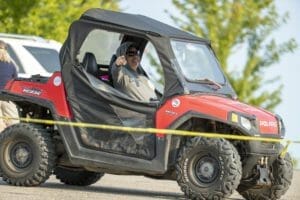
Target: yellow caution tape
pixel 158 131
pixel 285 149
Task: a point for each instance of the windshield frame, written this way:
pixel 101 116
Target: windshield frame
pixel 212 54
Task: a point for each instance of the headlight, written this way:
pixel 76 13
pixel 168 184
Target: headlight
pixel 246 123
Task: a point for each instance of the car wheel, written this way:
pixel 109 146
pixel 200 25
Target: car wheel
pixel 281 178
pixel 27 155
pixel 208 168
pixel 76 176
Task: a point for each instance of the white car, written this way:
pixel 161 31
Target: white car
pixel 33 55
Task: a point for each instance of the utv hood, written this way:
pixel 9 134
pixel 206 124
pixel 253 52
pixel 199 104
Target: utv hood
pixel 221 109
pixel 264 121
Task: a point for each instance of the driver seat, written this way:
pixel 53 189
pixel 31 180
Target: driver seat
pixel 90 64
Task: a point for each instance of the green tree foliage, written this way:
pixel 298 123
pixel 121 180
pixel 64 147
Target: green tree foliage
pixel 47 18
pixel 234 25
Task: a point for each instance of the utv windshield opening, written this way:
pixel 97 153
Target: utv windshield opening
pixel 197 62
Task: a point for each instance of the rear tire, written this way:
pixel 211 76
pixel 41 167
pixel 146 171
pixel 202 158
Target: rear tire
pixel 27 155
pixel 76 176
pixel 208 168
pixel 282 177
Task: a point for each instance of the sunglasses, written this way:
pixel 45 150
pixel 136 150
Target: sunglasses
pixel 133 53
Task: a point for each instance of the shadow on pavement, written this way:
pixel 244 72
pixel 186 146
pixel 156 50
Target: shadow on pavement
pixel 117 190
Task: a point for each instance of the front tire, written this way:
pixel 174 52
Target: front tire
pixel 208 168
pixel 282 174
pixel 76 176
pixel 27 155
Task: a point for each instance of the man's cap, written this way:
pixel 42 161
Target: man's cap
pixel 122 50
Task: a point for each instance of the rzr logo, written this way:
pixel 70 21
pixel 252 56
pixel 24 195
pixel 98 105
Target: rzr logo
pixel 32 91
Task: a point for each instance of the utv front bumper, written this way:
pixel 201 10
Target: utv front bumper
pixel 257 159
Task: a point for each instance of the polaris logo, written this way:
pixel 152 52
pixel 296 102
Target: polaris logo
pixel 32 91
pixel 268 124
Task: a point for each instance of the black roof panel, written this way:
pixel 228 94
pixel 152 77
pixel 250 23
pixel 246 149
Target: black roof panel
pixel 137 22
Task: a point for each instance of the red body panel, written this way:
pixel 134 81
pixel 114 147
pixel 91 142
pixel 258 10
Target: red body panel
pixel 215 107
pixel 53 90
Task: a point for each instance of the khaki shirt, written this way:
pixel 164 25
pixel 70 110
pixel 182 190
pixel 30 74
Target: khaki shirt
pixel 133 83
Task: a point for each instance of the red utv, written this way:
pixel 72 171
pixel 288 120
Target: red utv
pixel 193 94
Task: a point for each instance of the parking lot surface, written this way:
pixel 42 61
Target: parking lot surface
pixel 112 187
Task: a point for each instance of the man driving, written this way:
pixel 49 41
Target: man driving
pixel 128 76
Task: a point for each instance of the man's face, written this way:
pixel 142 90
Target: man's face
pixel 133 57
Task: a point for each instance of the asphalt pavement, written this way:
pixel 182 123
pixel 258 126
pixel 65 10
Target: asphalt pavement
pixel 113 187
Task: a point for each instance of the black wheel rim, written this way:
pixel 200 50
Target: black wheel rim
pixel 21 155
pixel 206 170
